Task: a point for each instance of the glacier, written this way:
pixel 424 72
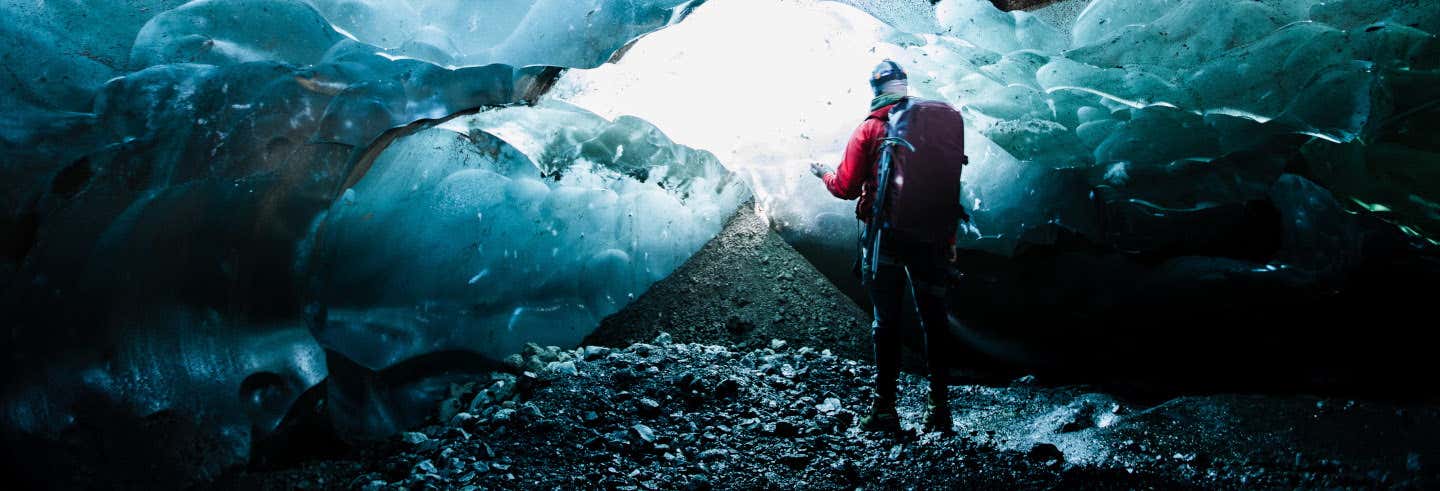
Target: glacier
pixel 183 186
pixel 210 207
pixel 1133 85
pixel 514 225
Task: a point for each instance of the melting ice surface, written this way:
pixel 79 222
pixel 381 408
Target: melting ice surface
pixel 521 224
pixel 179 180
pixel 1138 88
pixel 571 33
pixel 194 178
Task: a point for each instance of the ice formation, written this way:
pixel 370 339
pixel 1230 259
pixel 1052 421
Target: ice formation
pixel 194 188
pixel 170 168
pixel 570 33
pixel 1154 161
pixel 514 225
pixel 1155 87
pixel 457 240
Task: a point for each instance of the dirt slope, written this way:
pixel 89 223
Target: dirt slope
pixel 743 289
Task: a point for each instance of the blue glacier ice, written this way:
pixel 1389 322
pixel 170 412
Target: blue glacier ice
pixel 170 167
pixel 211 206
pixel 1141 165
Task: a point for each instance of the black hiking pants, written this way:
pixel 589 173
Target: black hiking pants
pixel 917 268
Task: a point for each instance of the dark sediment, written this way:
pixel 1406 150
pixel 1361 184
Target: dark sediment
pixel 744 288
pixel 689 416
pixel 762 378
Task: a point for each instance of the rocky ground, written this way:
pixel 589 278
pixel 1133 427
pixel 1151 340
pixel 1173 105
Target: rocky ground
pixel 763 379
pixel 743 289
pixel 665 415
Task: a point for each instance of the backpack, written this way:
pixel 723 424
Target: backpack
pixel 921 198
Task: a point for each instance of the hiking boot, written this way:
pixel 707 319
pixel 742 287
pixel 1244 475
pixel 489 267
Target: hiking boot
pixel 882 417
pixel 937 417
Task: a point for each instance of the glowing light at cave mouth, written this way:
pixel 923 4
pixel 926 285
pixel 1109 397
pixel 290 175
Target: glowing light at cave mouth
pixel 784 86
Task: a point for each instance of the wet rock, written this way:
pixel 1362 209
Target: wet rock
pixel 498 391
pixel 774 479
pixel 454 433
pixel 782 428
pixel 738 327
pixel 531 411
pixel 425 467
pixel 533 364
pixel 1046 453
pixel 592 353
pixel 503 415
pixel 712 454
pixel 795 460
pixel 663 339
pixel 565 368
pixel 461 419
pixel 544 354
pixel 830 406
pixel 646 434
pixel 697 482
pixel 514 362
pixel 413 437
pixel 647 407
pixel 690 383
pixel 794 433
pixel 777 344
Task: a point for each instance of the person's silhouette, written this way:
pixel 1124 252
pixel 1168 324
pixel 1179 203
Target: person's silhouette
pixel 903 163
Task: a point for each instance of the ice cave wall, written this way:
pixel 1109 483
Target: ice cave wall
pixel 193 188
pixel 172 170
pixel 1177 163
pixel 1134 87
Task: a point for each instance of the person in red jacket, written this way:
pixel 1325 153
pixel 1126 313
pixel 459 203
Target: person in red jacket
pixel 916 265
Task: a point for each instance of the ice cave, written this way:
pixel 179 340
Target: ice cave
pixel 242 237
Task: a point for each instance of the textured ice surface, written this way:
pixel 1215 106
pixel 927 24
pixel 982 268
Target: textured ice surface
pixel 83 43
pixel 1160 160
pixel 220 32
pixel 1134 85
pixel 168 242
pixel 512 225
pixel 981 24
pixel 86 43
pixel 186 178
pixel 572 33
pixel 168 167
pixel 515 225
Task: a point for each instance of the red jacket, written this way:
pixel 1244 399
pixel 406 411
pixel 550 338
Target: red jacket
pixel 855 178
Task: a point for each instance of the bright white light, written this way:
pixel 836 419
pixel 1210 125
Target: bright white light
pixel 767 86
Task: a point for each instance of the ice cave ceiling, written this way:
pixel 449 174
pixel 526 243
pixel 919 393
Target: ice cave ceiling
pixel 225 200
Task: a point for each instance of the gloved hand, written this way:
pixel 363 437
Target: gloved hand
pixel 819 169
